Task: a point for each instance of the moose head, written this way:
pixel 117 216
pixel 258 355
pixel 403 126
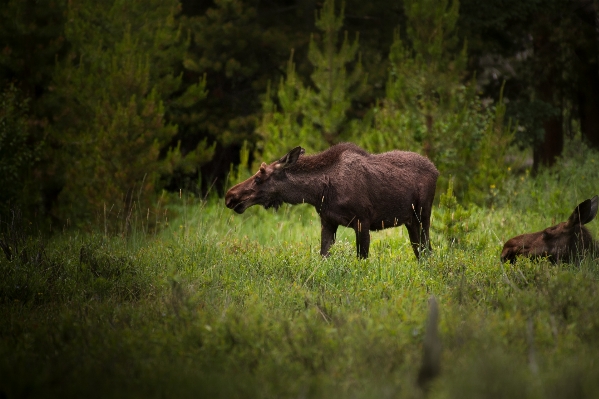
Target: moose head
pixel 563 242
pixel 265 188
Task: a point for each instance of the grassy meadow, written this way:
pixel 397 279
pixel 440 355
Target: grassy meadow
pixel 220 305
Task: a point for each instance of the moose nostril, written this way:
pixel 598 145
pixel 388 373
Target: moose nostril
pixel 230 201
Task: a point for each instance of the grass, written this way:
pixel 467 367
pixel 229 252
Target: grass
pixel 225 305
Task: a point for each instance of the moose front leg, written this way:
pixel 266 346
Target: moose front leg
pixel 327 237
pixel 362 238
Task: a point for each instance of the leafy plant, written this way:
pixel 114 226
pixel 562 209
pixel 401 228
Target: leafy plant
pixel 430 108
pixel 315 114
pixel 452 221
pixel 114 85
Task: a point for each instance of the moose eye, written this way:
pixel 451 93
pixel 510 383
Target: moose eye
pixel 258 180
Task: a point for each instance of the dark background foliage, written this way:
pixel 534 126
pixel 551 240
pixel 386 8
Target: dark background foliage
pixel 106 104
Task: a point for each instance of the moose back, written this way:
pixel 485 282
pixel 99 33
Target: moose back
pixel 348 187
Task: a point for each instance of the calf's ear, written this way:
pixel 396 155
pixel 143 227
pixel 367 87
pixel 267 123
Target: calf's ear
pixel 291 157
pixel 584 212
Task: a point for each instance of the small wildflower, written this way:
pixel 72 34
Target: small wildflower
pixel 492 186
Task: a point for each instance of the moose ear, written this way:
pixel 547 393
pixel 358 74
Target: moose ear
pixel 584 212
pixel 291 157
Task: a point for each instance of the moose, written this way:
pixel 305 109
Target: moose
pixel 564 242
pixel 348 187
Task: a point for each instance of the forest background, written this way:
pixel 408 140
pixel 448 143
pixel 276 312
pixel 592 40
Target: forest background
pixel 106 105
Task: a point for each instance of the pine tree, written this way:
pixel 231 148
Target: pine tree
pixel 429 108
pixel 315 115
pixel 32 37
pixel 113 88
pixel 282 126
pixel 452 221
pixel 427 69
pixel 239 48
pixel 18 152
pixel 333 88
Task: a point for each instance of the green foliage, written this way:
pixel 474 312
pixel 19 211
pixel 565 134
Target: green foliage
pixel 241 172
pixel 113 125
pixel 451 220
pixel 226 305
pixel 334 88
pixel 420 95
pixel 555 191
pixel 281 129
pixel 489 157
pixel 32 36
pixel 426 72
pixel 530 116
pixel 316 115
pixel 189 163
pixel 17 152
pixel 546 51
pixel 429 110
pixel 234 46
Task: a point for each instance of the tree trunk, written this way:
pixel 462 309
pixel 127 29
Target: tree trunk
pixel 588 94
pixel 589 107
pixel 546 152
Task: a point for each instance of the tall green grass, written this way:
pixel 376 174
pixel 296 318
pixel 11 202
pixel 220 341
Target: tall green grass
pixel 225 305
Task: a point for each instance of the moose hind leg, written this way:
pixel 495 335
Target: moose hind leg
pixel 418 238
pixel 362 239
pixel 424 231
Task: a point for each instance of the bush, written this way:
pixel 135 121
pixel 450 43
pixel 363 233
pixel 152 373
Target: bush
pixel 555 191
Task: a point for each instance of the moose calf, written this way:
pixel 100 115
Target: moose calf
pixel 348 187
pixel 564 242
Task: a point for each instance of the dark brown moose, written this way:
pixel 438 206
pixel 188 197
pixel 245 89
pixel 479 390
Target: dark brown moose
pixel 564 242
pixel 348 187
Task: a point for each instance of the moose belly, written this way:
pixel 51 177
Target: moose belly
pixel 386 223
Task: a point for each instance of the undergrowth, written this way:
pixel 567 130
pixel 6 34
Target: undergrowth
pixel 226 305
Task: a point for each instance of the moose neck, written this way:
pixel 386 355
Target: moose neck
pixel 308 179
pixel 305 187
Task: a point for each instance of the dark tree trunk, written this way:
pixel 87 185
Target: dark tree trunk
pixel 589 109
pixel 588 100
pixel 546 152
